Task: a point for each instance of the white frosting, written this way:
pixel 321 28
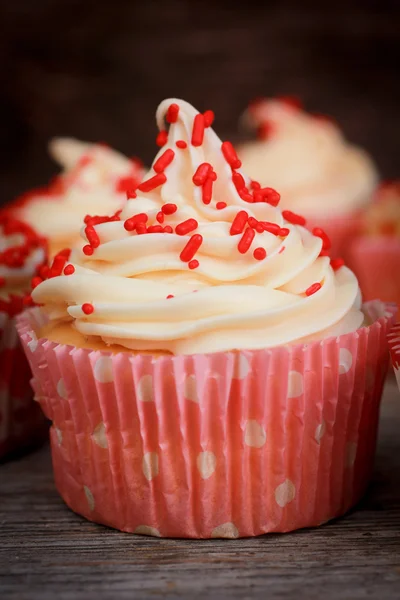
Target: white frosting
pixel 90 175
pixel 317 172
pixel 231 300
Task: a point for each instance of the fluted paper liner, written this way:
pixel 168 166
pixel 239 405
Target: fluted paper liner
pixel 394 345
pixel 21 419
pixel 229 444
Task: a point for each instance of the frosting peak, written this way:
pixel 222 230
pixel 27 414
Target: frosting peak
pixel 201 259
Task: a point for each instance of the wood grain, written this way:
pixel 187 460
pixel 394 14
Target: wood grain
pixel 48 552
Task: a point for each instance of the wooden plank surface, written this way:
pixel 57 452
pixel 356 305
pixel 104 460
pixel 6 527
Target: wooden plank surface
pixel 47 552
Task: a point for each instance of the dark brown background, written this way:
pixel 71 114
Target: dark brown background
pixel 97 70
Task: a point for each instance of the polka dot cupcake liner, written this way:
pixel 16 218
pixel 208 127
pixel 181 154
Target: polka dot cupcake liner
pixel 394 345
pixel 222 445
pixel 376 262
pixel 22 423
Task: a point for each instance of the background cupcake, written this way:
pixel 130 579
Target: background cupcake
pixel 22 251
pixel 95 180
pixel 307 159
pixel 208 372
pixel 375 253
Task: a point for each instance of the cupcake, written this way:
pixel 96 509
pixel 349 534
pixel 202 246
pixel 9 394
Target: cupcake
pixel 317 172
pixel 207 371
pixel 375 253
pixel 394 345
pixel 94 180
pixel 21 420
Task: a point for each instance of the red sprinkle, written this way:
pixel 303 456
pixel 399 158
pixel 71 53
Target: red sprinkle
pixel 181 144
pixel 284 232
pixel 69 270
pixel 326 242
pixel 57 266
pixel 260 253
pixel 153 183
pixel 336 263
pixel 130 194
pixel 186 227
pixel 207 191
pixel 127 184
pixel 160 217
pixel 155 229
pixel 238 181
pixel 267 195
pixel 253 222
pixel 43 271
pixel 168 229
pixel 293 218
pixel 271 227
pixel 193 264
pixel 191 248
pixel 36 281
pixel 239 222
pixel 170 296
pixel 164 160
pixel 169 209
pixel 259 228
pixel 198 130
pixel 324 253
pixel 281 250
pixel 92 236
pixel 221 205
pixel 162 138
pixel 132 223
pixel 245 195
pixel 87 308
pixel 88 250
pixel 208 118
pixel 201 174
pixel 313 288
pixel 172 113
pixel 246 240
pixel 255 185
pixel 141 228
pixel 230 155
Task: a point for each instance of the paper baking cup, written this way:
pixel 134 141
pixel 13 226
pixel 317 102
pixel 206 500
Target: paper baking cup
pixel 394 345
pixel 376 263
pixel 341 230
pixel 229 444
pixel 22 423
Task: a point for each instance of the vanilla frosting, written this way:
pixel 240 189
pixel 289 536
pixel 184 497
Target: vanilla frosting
pixel 90 183
pixel 317 172
pixel 143 296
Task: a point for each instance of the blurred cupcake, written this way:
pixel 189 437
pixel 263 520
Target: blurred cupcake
pixel 394 345
pixel 375 253
pixel 208 373
pixel 317 172
pixel 95 180
pixel 21 420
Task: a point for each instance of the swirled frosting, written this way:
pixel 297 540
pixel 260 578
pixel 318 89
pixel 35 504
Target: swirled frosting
pixel 306 157
pixel 94 180
pixel 251 279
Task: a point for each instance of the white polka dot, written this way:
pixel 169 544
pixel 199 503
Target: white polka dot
pixel 295 384
pixel 242 367
pixel 150 465
pixel 206 464
pixel 226 530
pixel 61 390
pixel 59 435
pixel 191 389
pixel 147 530
pixel 254 434
pixel 285 493
pixel 345 360
pixel 103 369
pixel 145 392
pixel 351 453
pixel 99 435
pixel 33 344
pixel 320 431
pixel 89 498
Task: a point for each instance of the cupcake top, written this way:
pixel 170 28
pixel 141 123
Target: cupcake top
pixel 22 251
pixel 307 159
pixel 94 179
pixel 382 218
pixel 201 259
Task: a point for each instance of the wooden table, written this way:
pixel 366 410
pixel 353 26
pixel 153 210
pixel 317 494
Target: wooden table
pixel 48 552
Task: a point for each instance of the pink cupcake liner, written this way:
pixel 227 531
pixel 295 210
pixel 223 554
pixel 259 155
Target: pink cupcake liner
pixel 22 423
pixel 376 263
pixel 394 345
pixel 228 444
pixel 341 231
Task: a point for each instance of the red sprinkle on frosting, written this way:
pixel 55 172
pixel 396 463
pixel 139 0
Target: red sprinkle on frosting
pixel 191 248
pixel 230 155
pixel 293 218
pixel 153 183
pixel 88 250
pixel 326 242
pixel 284 232
pixel 69 270
pixel 186 227
pixel 181 144
pixel 162 138
pixel 336 263
pixel 313 288
pixel 170 296
pixel 87 308
pixel 169 209
pixel 201 174
pixel 164 161
pixel 172 113
pixel 246 240
pixel 193 264
pixel 207 190
pixel 221 205
pixel 198 130
pixel 260 253
pixel 208 118
pixel 239 223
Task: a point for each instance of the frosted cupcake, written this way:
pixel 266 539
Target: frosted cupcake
pixel 94 180
pixel 22 251
pixel 317 172
pixel 207 371
pixel 375 253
